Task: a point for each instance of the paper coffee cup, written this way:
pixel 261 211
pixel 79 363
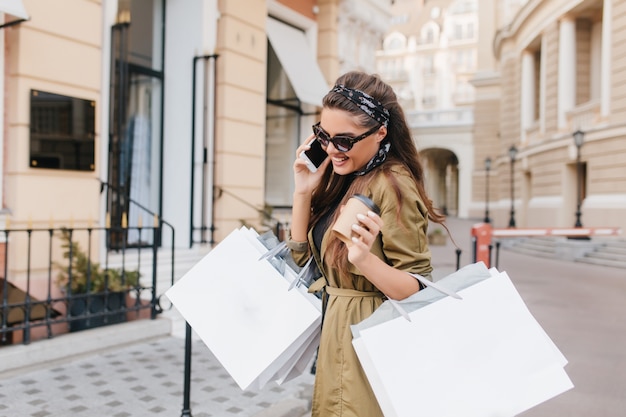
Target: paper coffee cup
pixel 357 204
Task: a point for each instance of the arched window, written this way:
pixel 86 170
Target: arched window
pixel 430 33
pixel 394 41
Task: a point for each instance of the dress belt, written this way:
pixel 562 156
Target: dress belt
pixel 320 284
pixel 346 292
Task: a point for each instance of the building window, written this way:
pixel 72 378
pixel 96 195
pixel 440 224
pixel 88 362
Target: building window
pixel 532 91
pixel 429 101
pixel 458 31
pixel 470 30
pixel 428 64
pixel 536 108
pixel 62 131
pixel 429 34
pixel 464 92
pixel 588 59
pixel 395 43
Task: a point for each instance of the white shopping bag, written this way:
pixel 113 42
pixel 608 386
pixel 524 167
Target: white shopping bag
pixel 482 355
pixel 241 308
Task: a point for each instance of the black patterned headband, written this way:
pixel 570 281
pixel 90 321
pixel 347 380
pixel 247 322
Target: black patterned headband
pixel 365 102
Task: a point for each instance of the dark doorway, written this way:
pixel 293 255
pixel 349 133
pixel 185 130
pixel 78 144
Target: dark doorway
pixel 135 123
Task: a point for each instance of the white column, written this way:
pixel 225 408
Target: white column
pixel 527 93
pixel 595 62
pixel 567 69
pixel 445 79
pixel 2 126
pixel 605 71
pixel 109 17
pixel 542 84
pixel 465 170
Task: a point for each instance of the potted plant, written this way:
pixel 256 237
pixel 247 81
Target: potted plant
pixel 92 290
pixel 437 237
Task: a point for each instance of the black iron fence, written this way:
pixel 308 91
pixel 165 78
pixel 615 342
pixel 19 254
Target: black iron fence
pixel 55 280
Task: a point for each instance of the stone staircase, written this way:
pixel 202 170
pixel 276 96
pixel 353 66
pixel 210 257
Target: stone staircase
pixel 142 261
pixel 611 253
pixel 600 251
pixel 539 246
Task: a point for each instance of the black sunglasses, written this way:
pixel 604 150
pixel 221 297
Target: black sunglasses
pixel 341 142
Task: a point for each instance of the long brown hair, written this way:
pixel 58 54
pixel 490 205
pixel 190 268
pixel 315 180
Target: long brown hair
pixel 403 151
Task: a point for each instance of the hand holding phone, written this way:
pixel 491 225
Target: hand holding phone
pixel 314 156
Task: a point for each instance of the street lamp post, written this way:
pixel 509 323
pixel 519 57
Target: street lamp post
pixel 487 169
pixel 579 139
pixel 512 155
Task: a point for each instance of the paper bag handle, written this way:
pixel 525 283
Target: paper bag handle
pixel 439 288
pixel 395 304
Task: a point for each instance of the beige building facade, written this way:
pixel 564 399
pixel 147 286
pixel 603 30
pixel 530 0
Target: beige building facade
pixel 126 113
pixel 552 69
pixel 48 176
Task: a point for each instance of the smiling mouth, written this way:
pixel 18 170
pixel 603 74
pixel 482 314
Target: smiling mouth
pixel 338 159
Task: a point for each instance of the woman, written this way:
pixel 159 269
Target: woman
pixel 370 152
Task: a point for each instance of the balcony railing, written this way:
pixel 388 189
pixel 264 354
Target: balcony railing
pixel 584 116
pixel 533 133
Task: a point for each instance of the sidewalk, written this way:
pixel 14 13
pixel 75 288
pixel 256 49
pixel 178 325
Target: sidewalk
pixel 136 368
pixel 141 379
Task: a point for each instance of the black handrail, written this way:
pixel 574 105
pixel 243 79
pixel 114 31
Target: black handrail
pixel 261 211
pixel 158 231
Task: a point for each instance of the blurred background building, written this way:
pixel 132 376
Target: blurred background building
pixel 430 58
pixel 517 106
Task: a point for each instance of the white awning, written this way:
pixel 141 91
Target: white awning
pixel 297 59
pixel 14 8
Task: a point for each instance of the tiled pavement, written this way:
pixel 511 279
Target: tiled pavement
pixel 143 380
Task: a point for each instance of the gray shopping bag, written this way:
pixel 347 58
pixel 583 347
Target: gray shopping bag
pixel 481 355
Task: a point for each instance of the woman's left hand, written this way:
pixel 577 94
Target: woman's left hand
pixel 366 231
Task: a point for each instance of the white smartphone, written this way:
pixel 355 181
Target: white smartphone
pixel 314 156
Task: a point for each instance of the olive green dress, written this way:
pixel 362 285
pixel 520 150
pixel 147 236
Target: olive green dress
pixel 341 386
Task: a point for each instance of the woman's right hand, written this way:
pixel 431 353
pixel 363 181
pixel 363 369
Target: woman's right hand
pixel 305 180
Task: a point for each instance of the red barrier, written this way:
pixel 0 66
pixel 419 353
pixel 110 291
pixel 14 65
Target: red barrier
pixel 481 233
pixel 562 231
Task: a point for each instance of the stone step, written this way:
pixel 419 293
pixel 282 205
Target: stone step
pixel 135 259
pixel 527 250
pixel 594 251
pixel 538 245
pixel 543 247
pixel 616 243
pixel 602 254
pixel 604 262
pixel 615 250
pixel 142 260
pixel 611 253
